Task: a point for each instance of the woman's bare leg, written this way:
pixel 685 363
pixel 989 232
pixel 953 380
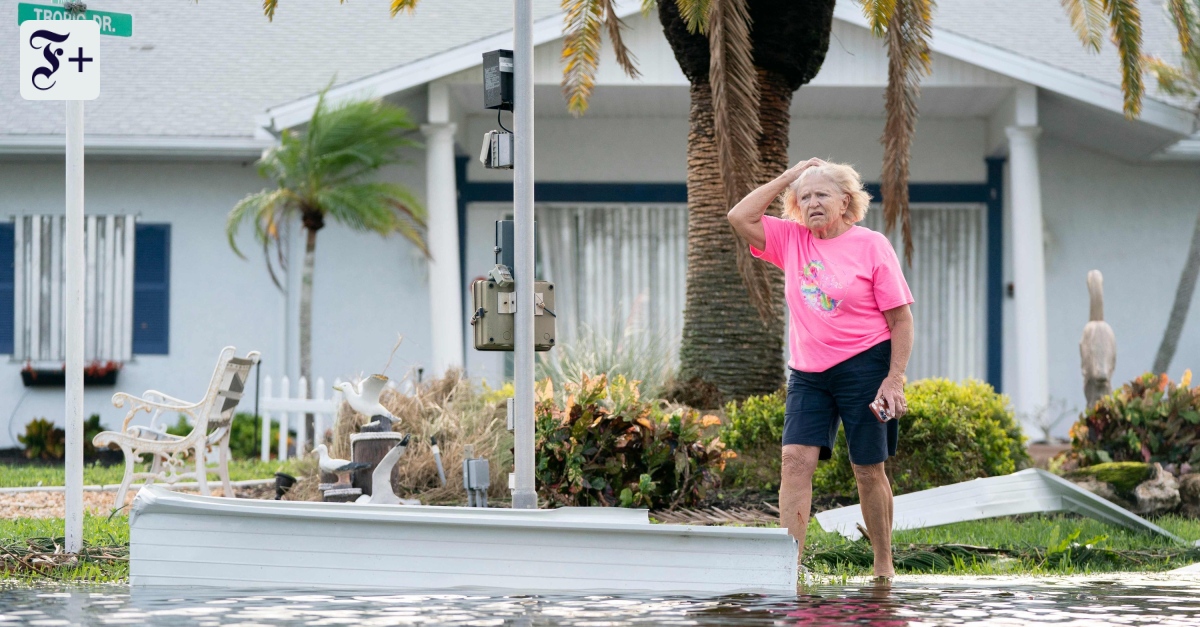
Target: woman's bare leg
pixel 875 494
pixel 795 489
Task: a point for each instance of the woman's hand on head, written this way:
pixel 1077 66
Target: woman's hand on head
pixel 799 168
pixel 892 391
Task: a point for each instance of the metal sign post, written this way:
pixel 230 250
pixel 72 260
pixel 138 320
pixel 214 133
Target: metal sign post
pixel 60 61
pixel 524 495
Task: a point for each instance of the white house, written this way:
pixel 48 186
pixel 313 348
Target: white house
pixel 1025 175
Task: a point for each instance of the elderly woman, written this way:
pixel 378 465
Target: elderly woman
pixel 850 339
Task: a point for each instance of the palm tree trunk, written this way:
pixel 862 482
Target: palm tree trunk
pixel 306 285
pixel 1183 299
pixel 725 343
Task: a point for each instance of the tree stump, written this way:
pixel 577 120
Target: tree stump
pixel 371 448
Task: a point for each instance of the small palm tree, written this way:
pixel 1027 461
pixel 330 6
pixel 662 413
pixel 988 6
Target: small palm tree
pixel 1182 81
pixel 327 171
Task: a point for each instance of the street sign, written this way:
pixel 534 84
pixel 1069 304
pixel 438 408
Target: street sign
pixel 60 60
pixel 114 24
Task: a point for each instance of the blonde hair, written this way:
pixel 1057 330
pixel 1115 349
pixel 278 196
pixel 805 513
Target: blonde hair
pixel 848 182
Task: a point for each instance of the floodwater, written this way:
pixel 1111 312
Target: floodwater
pixel 1112 600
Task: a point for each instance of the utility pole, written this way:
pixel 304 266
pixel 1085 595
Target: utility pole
pixel 524 494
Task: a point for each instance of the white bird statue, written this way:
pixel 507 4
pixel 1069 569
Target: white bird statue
pixel 341 467
pixel 381 477
pixel 364 399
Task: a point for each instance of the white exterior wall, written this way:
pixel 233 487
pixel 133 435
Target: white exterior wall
pixel 1133 222
pixel 218 299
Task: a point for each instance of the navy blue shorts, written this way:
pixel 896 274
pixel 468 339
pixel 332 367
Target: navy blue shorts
pixel 816 401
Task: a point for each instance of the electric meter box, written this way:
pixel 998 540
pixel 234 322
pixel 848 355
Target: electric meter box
pixel 495 308
pixel 498 80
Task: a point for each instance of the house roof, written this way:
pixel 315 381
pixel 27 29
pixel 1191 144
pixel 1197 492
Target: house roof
pixel 204 87
pixel 1028 40
pixel 196 73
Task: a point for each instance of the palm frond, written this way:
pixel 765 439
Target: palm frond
pixel 736 127
pixel 878 14
pixel 695 14
pixel 261 208
pixel 1089 21
pixel 269 7
pixel 1126 23
pixel 613 24
pixel 403 5
pixel 380 207
pixel 908 35
pixel 1183 15
pixel 648 7
pixel 1173 80
pixel 581 51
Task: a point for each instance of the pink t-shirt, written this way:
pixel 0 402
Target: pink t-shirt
pixel 836 290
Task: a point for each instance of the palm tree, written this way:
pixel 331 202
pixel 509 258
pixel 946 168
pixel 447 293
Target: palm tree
pixel 744 60
pixel 1182 81
pixel 327 171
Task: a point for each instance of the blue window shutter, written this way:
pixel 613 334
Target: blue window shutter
pixel 151 289
pixel 7 281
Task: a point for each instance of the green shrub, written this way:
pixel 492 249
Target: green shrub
pixel 606 446
pixel 624 349
pixel 952 432
pixel 43 440
pixel 1148 420
pixel 757 422
pixel 244 437
pixel 754 430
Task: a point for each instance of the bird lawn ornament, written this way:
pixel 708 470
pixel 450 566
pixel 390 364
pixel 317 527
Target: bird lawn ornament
pixel 364 399
pixel 340 467
pixel 381 477
pixel 1098 346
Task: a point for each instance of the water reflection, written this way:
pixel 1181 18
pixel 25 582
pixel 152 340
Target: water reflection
pixel 1099 601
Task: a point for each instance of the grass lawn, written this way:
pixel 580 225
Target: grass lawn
pixel 1057 544
pixel 1028 545
pixel 27 547
pixel 19 476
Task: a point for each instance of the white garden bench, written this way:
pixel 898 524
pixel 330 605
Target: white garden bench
pixel 211 419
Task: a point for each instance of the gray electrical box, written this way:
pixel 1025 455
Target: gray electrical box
pixel 495 305
pixel 498 80
pixel 497 152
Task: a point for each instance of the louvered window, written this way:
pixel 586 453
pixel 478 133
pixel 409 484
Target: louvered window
pixel 616 268
pixel 39 289
pixel 948 282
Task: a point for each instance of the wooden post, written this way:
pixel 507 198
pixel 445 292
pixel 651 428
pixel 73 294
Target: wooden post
pixel 371 448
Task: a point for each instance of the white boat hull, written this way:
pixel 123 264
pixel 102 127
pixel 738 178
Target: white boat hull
pixel 187 540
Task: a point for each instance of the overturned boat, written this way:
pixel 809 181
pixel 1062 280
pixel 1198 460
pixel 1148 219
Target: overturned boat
pixel 188 540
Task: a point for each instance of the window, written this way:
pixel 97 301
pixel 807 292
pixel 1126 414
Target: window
pixel 126 288
pixel 7 280
pixel 152 290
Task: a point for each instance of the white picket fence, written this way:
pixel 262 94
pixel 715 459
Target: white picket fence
pixel 288 405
